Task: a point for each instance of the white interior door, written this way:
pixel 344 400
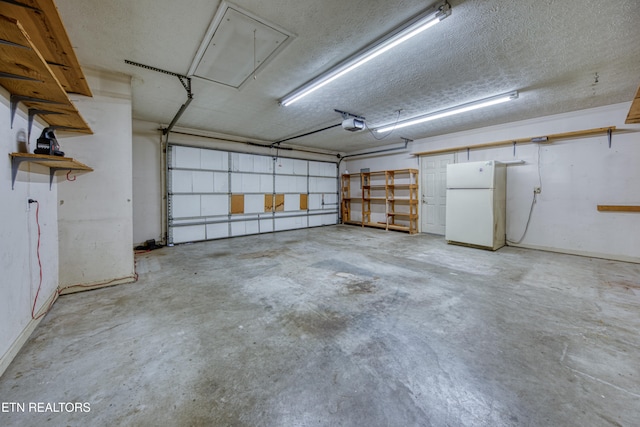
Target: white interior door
pixel 433 189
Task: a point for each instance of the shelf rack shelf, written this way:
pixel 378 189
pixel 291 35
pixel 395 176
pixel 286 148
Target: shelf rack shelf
pixel 54 163
pixel 400 199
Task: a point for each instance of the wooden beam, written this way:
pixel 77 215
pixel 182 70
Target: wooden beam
pixel 538 139
pixel 618 208
pixel 42 21
pixel 634 111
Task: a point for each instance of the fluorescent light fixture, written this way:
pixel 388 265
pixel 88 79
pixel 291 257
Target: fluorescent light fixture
pixel 404 32
pixel 482 103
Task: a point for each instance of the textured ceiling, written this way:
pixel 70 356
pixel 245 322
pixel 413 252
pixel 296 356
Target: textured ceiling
pixel 562 55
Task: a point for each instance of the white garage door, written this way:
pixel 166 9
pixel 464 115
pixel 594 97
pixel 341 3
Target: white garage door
pixel 214 194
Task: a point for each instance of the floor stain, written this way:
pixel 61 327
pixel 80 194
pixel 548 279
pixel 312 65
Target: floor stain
pixel 628 285
pixel 219 254
pixel 320 323
pixel 262 254
pixel 361 287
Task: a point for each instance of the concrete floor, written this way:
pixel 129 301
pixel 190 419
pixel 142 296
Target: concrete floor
pixel 342 326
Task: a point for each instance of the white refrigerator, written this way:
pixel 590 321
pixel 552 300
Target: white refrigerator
pixel 476 204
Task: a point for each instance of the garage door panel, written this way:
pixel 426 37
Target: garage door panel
pixel 245 183
pixel 214 204
pixel 182 182
pixel 214 160
pixel 322 169
pixel 186 157
pixel 315 201
pixel 263 164
pixel 291 202
pixel 202 182
pixel 220 182
pixel 266 184
pixel 186 206
pixel 191 233
pixel 254 203
pixel 322 185
pixel 217 231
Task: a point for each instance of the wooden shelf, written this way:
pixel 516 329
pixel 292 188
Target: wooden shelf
pixel 54 163
pixel 403 200
pixel 401 182
pixel 29 79
pixel 41 20
pixel 618 208
pixel 545 139
pixel 403 185
pixel 399 228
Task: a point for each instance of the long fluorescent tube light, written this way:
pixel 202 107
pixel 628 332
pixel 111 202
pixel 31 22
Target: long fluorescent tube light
pixel 399 35
pixel 482 103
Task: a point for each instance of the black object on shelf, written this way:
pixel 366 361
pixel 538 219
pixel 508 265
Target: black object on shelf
pixel 48 144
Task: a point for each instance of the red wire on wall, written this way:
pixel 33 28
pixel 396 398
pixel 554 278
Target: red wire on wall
pixel 35 301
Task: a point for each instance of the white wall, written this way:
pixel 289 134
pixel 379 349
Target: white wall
pixel 577 175
pixel 149 205
pixel 147 182
pixel 19 270
pixel 95 211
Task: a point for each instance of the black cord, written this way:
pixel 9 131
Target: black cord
pixel 390 132
pixel 533 202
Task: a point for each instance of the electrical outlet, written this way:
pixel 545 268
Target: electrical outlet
pixel 537 189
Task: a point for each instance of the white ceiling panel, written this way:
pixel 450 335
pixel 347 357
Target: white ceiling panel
pixel 237 45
